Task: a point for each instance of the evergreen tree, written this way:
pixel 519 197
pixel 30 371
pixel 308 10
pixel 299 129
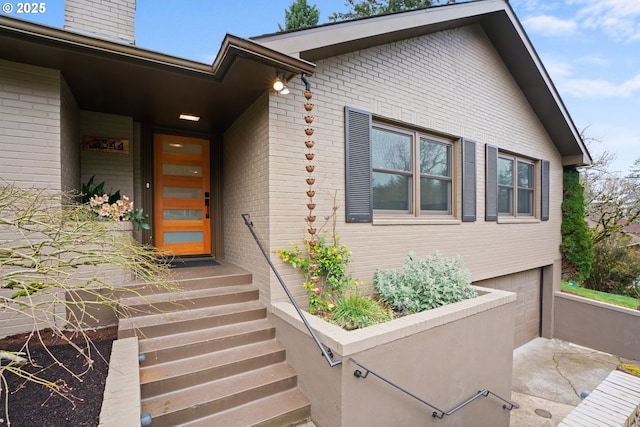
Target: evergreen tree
pixel 300 15
pixel 576 246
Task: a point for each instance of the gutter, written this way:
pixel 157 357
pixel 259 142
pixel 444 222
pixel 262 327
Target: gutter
pixel 231 47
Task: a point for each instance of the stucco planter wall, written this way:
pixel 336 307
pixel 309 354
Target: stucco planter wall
pixel 444 356
pixel 596 324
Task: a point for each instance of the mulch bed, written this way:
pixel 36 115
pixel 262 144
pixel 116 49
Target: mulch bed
pixel 35 405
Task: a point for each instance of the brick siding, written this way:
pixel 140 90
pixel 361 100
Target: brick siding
pixel 113 19
pixel 30 127
pixel 452 82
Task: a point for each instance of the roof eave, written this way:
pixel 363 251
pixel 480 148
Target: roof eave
pixel 112 77
pixel 499 23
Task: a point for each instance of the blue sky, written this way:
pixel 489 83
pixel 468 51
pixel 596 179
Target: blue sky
pixel 591 49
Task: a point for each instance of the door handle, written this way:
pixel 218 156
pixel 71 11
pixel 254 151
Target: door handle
pixel 206 203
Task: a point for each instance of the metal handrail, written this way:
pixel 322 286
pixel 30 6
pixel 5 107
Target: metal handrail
pixel 327 353
pixel 437 413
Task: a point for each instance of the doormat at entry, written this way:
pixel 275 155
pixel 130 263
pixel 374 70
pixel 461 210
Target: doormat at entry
pixel 192 262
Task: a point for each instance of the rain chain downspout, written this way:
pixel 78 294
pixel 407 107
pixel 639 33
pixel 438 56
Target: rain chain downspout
pixel 311 218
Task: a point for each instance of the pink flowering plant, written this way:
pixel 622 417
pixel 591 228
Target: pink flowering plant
pixel 112 206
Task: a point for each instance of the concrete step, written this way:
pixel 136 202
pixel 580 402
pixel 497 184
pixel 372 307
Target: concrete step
pixel 204 400
pixel 187 283
pixel 188 372
pixel 187 344
pixel 164 324
pixel 278 410
pixel 188 299
pixel 211 355
pixel 207 282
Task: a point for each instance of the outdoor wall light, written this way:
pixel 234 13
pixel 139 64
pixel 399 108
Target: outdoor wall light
pixel 190 117
pixel 278 85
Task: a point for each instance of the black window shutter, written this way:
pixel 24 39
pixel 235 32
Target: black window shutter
pixel 468 180
pixel 544 191
pixel 358 190
pixel 491 183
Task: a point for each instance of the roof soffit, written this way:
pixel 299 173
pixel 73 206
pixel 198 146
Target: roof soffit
pixel 121 79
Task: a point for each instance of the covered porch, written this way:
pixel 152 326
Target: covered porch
pixel 110 92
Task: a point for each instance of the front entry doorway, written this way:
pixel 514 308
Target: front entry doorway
pixel 182 195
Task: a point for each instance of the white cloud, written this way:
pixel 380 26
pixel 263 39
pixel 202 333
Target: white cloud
pixel 548 25
pixel 619 19
pixel 534 5
pixel 557 68
pixel 586 88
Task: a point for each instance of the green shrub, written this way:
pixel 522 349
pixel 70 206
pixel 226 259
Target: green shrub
pixel 616 268
pixel 324 268
pixel 424 283
pixel 576 246
pixel 355 311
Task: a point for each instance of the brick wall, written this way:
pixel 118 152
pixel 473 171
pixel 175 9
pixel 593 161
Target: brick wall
pixel 452 82
pixel 69 140
pixel 112 19
pixel 115 169
pixel 246 164
pixel 30 126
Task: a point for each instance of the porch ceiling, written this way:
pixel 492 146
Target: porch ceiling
pixel 114 78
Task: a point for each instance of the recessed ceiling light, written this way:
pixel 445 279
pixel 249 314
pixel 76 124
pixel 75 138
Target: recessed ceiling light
pixel 190 117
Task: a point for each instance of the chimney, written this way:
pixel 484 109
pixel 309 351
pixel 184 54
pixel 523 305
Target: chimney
pixel 110 19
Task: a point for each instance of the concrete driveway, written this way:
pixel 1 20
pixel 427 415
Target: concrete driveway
pixel 549 375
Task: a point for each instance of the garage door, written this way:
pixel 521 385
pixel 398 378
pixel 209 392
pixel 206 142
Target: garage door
pixel 526 286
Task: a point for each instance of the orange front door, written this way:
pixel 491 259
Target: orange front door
pixel 182 207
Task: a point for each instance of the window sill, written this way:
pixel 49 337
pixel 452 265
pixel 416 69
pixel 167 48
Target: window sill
pixel 518 220
pixel 416 221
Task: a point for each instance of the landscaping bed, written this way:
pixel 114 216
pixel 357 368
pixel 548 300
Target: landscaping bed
pixel 32 404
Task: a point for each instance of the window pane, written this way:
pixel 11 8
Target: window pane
pixel 505 171
pixel 181 170
pixel 391 150
pixel 505 200
pixel 525 202
pixel 182 214
pixel 435 158
pixel 434 194
pixel 181 193
pixel 181 147
pixel 183 236
pixel 525 175
pixel 391 191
